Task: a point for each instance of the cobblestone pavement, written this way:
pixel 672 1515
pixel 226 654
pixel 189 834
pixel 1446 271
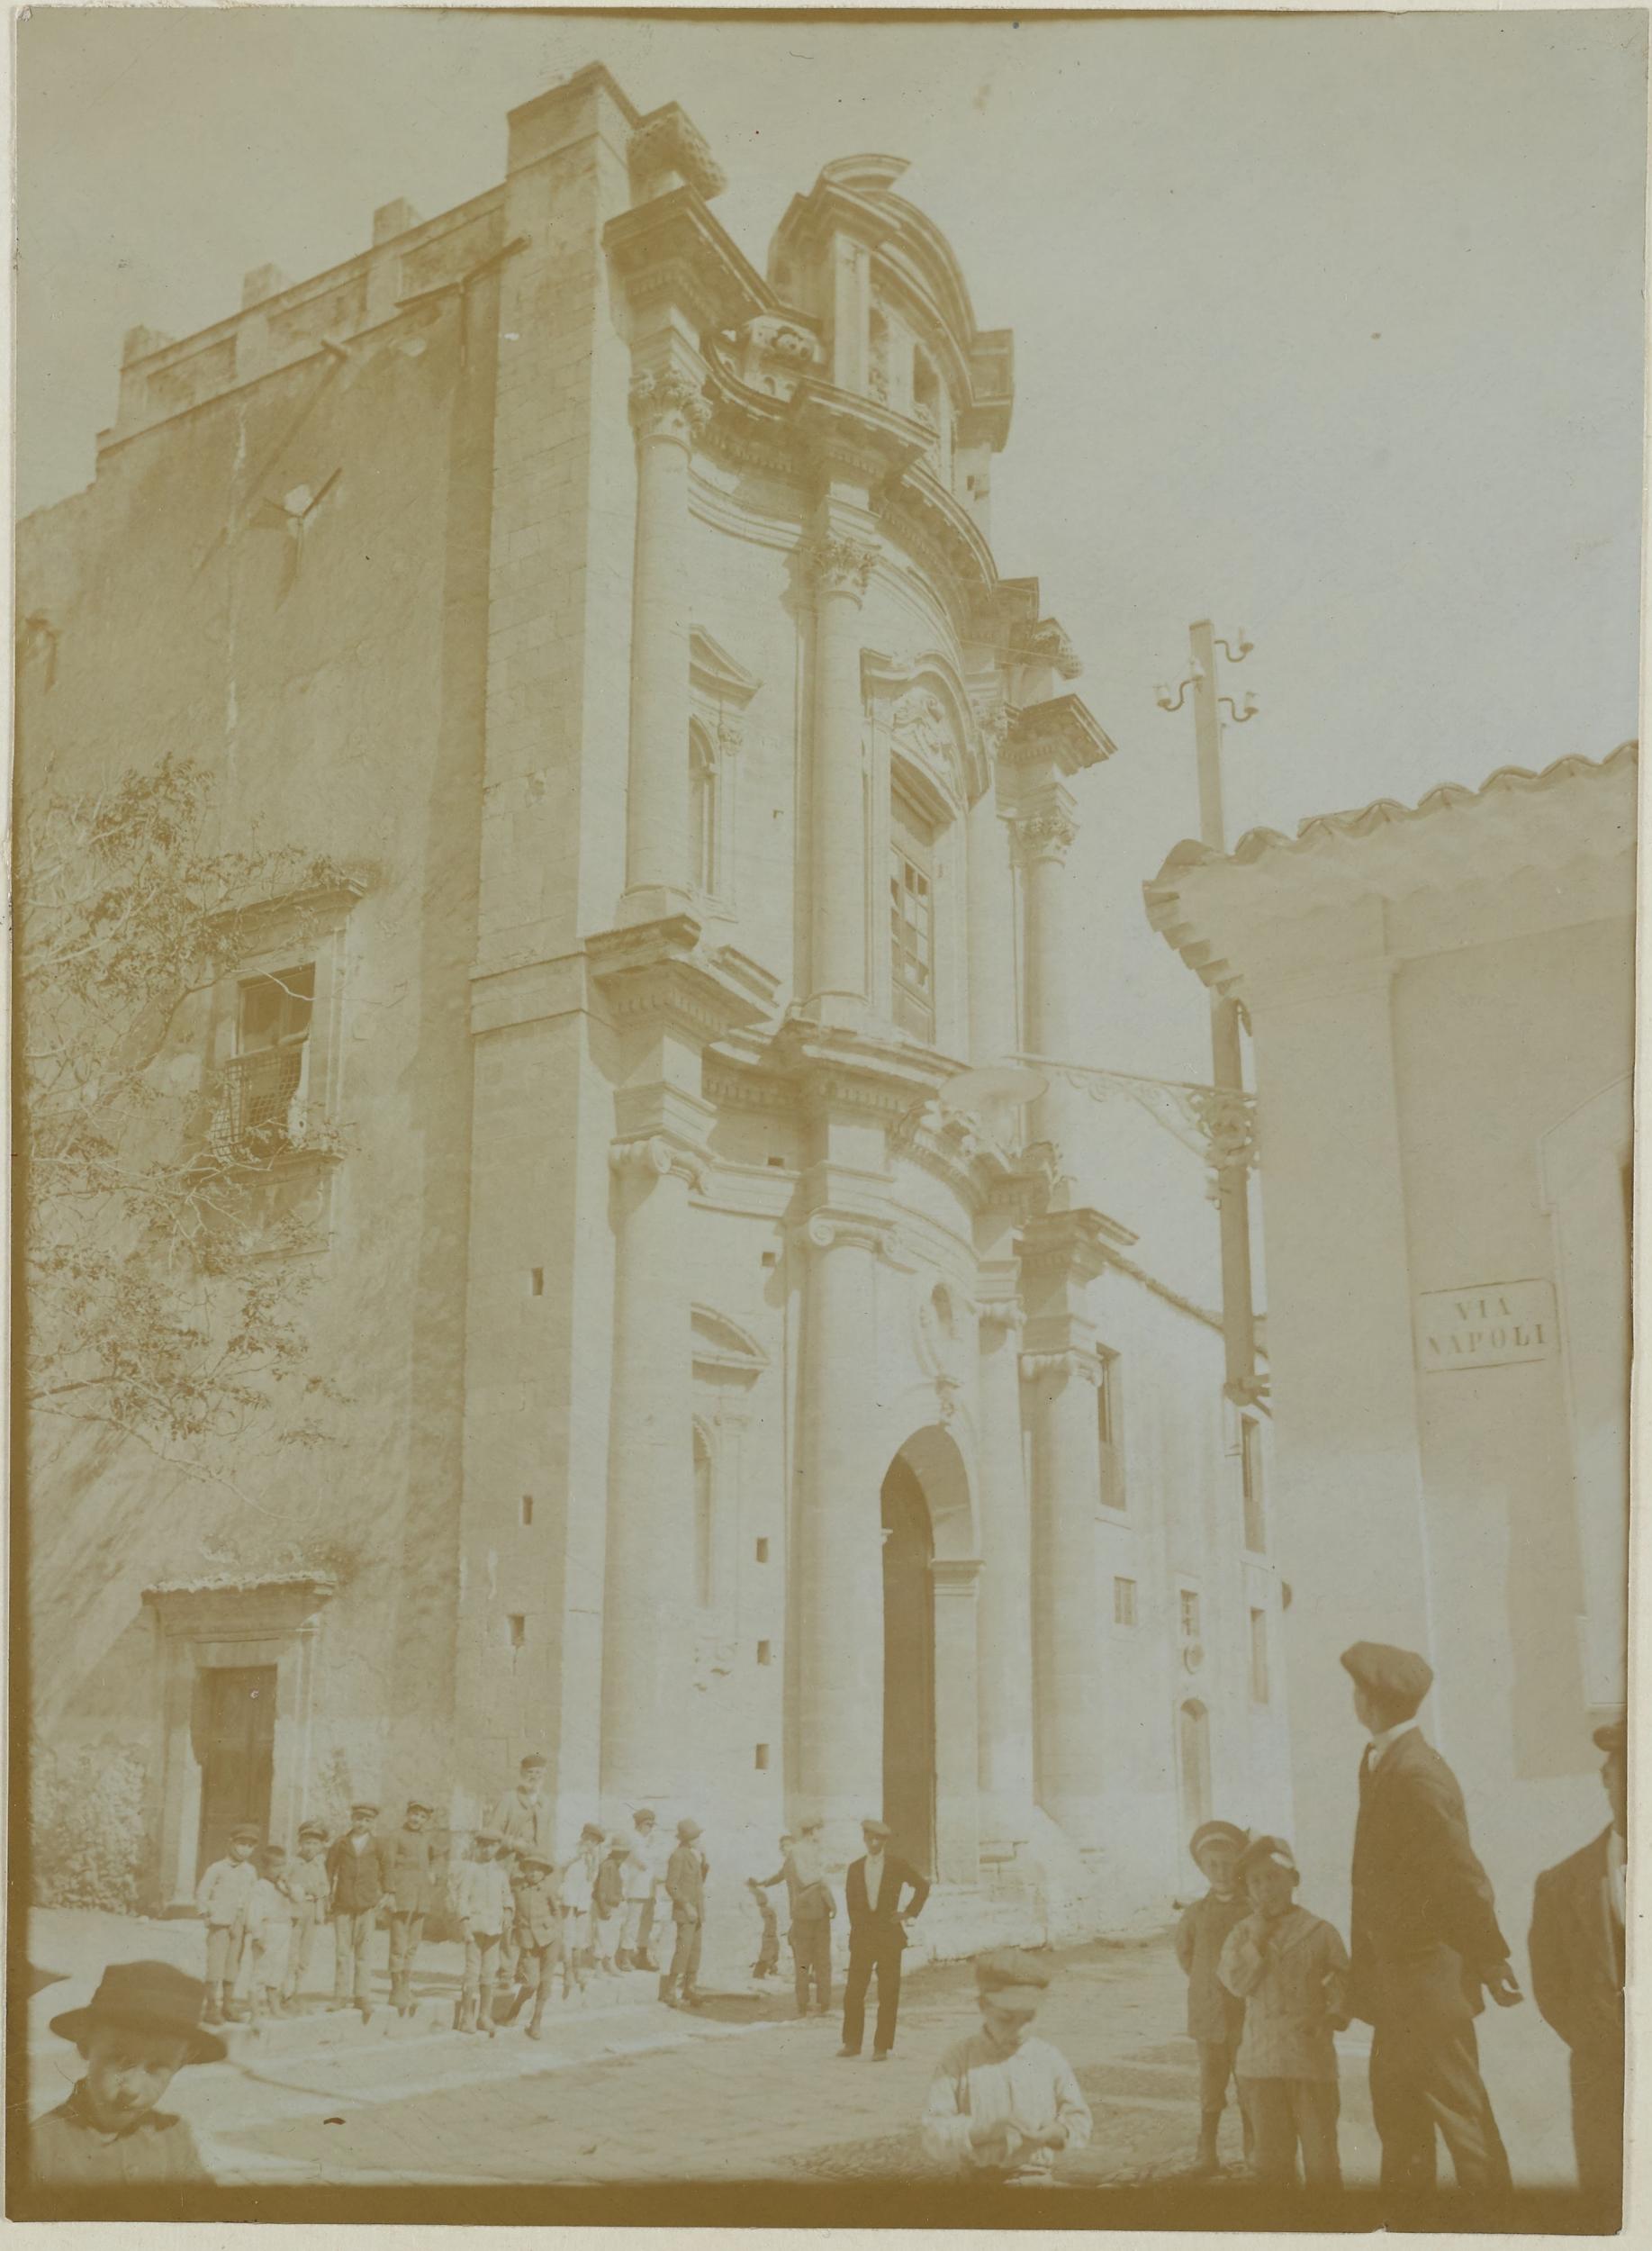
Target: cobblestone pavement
pixel 741 2090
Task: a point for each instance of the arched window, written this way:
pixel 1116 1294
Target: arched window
pixel 702 1519
pixel 702 809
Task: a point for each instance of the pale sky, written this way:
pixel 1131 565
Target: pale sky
pixel 1331 329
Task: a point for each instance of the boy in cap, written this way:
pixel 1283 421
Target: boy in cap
pixel 482 1896
pixel 1290 1968
pixel 642 1878
pixel 309 1888
pixel 140 2027
pixel 222 1898
pixel 607 1904
pixel 269 1935
pixel 768 1946
pixel 1002 2102
pixel 686 1886
pixel 1578 1955
pixel 1424 1936
pixel 813 1907
pixel 1215 2017
pixel 360 1878
pixel 412 1886
pixel 522 1816
pixel 578 1886
pixel 536 1914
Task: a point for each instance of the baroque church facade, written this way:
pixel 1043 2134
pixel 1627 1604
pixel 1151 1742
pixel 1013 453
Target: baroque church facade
pixel 751 1405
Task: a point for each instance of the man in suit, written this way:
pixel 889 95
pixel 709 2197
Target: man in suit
pixel 1577 1961
pixel 1425 1940
pixel 877 1938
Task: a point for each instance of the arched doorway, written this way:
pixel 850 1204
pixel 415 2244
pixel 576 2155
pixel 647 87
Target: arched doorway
pixel 909 1667
pixel 1193 1724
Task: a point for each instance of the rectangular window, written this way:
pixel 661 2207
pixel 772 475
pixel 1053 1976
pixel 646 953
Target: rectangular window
pixel 1123 1601
pixel 267 1076
pixel 1109 1432
pixel 1190 1614
pixel 912 919
pixel 1258 1657
pixel 762 1760
pixel 764 1653
pixel 762 1552
pixel 528 1508
pixel 1251 1471
pixel 519 1631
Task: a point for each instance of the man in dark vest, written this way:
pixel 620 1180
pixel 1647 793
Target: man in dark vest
pixel 1577 1957
pixel 1425 1940
pixel 877 1938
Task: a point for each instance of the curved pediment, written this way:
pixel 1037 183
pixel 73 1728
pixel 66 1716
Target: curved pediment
pixel 720 1343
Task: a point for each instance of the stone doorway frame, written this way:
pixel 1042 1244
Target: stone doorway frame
pixel 231 1623
pixel 936 1461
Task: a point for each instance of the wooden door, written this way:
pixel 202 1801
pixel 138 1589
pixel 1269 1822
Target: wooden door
pixel 235 1742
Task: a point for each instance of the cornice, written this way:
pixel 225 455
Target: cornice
pixel 842 432
pixel 655 972
pixel 1061 732
pixel 674 247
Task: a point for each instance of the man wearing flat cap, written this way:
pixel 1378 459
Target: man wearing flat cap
pixel 1577 1964
pixel 878 1923
pixel 1425 1940
pixel 359 1871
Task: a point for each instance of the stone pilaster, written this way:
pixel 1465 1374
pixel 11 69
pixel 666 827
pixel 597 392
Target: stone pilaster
pixel 1005 1627
pixel 956 1582
pixel 1044 837
pixel 841 567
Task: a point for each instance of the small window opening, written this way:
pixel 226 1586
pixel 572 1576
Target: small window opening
pixel 762 1552
pixel 764 1652
pixel 518 1630
pixel 536 1281
pixel 528 1508
pixel 762 1760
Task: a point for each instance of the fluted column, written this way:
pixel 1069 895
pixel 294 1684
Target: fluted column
pixel 646 1606
pixel 991 911
pixel 1004 1624
pixel 667 409
pixel 1066 1619
pixel 836 1574
pixel 839 971
pixel 1044 836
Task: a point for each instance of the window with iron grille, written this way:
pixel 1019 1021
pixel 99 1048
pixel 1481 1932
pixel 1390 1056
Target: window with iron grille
pixel 912 920
pixel 265 1080
pixel 1190 1614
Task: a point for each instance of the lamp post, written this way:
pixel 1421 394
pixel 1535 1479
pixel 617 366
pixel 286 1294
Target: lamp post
pixel 1227 1113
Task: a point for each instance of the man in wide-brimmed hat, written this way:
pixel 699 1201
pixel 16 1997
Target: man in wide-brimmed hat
pixel 140 2027
pixel 1577 1965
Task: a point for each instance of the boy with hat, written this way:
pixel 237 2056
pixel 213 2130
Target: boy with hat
pixel 685 1886
pixel 1290 1968
pixel 522 1816
pixel 308 1887
pixel 1002 2102
pixel 222 1898
pixel 359 1874
pixel 269 1935
pixel 768 1946
pixel 578 1886
pixel 1215 2017
pixel 642 1878
pixel 140 2027
pixel 1578 1956
pixel 1425 1941
pixel 411 1885
pixel 481 1897
pixel 812 1908
pixel 607 1904
pixel 536 1914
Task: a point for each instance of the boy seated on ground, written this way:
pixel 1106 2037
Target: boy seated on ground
pixel 140 2027
pixel 1004 2103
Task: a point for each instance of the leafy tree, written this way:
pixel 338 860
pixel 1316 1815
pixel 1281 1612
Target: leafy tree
pixel 157 1302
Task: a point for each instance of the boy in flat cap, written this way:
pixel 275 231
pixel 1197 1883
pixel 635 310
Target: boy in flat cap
pixel 1577 1966
pixel 140 2027
pixel 768 1946
pixel 1290 1969
pixel 482 1896
pixel 878 1920
pixel 1215 2017
pixel 523 1816
pixel 643 1873
pixel 803 1872
pixel 359 1874
pixel 411 1885
pixel 222 1898
pixel 310 1889
pixel 607 1904
pixel 578 1881
pixel 685 1887
pixel 1002 2102
pixel 1425 1939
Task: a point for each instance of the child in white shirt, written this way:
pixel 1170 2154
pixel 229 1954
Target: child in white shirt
pixel 1003 2103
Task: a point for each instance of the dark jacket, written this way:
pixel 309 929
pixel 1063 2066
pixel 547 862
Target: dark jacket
pixel 411 1865
pixel 536 1901
pixel 685 1883
pixel 1577 1954
pixel 1423 1922
pixel 359 1879
pixel 1213 2014
pixel 608 1890
pixel 882 1926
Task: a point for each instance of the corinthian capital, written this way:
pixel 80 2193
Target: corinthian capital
pixel 670 405
pixel 841 566
pixel 657 1156
pixel 1045 835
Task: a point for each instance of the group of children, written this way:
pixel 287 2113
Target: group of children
pixel 524 1914
pixel 1267 1994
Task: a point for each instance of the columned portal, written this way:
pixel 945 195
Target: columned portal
pixel 909 1669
